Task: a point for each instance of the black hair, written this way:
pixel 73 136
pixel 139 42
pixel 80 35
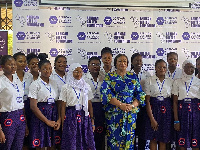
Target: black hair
pixel 18 54
pixel 132 57
pixel 172 53
pixel 57 57
pixel 159 61
pixel 198 59
pixel 30 56
pixel 4 59
pixel 119 55
pixel 43 59
pixel 106 50
pixel 93 58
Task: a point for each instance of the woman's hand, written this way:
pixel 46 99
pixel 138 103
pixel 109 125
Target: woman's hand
pixel 177 126
pixel 154 125
pixel 26 131
pixel 57 125
pixel 93 128
pixel 129 107
pixel 51 123
pixel 123 107
pixel 2 137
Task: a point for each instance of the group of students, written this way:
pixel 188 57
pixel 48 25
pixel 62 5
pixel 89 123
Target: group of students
pixel 60 110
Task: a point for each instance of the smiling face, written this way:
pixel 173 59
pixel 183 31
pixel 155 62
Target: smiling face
pixel 161 69
pixel 122 63
pixel 78 73
pixel 46 70
pixel 9 67
pixel 137 62
pixel 94 66
pixel 61 64
pixel 189 69
pixel 33 65
pixel 21 62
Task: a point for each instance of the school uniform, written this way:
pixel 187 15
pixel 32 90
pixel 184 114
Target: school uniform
pixel 99 114
pixel 60 80
pixel 41 135
pixel 187 90
pixel 12 118
pixel 161 106
pixel 102 72
pixel 140 122
pixel 175 75
pixel 77 128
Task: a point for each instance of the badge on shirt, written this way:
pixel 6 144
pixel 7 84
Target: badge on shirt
pixel 19 99
pixel 25 97
pixel 78 106
pixel 187 100
pixel 160 98
pixel 96 96
pixel 50 100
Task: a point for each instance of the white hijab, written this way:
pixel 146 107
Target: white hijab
pixel 80 84
pixel 185 77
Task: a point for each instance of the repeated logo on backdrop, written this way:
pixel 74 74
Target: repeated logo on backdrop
pixel 82 33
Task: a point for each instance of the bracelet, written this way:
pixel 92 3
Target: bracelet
pixel 92 118
pixel 93 125
pixel 120 104
pixel 133 106
pixel 175 122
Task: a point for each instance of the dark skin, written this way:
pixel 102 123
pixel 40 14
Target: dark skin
pixel 46 71
pixel 172 62
pixel 137 63
pixel 60 66
pixel 33 66
pixel 107 59
pixel 161 69
pixel 21 64
pixel 94 68
pixel 9 69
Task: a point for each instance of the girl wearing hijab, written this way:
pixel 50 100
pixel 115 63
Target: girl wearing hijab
pixel 186 108
pixel 78 127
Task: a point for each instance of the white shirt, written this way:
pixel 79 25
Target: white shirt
pixel 42 91
pixel 103 73
pixel 70 95
pixel 95 86
pixel 142 76
pixel 27 80
pixel 179 88
pixel 59 80
pixel 11 94
pixel 153 84
pixel 175 75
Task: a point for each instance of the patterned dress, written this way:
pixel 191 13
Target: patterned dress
pixel 121 126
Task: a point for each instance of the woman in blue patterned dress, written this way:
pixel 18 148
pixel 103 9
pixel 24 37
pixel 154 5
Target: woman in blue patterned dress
pixel 121 94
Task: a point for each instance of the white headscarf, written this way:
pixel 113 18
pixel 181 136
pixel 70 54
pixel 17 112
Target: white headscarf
pixel 186 77
pixel 80 84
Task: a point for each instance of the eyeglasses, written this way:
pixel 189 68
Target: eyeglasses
pixel 93 64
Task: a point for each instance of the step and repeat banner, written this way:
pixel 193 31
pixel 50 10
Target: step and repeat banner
pixel 80 33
